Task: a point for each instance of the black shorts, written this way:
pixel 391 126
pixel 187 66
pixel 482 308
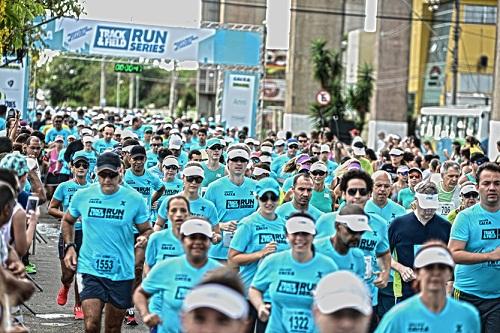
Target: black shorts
pixel 118 293
pixel 78 243
pixel 489 309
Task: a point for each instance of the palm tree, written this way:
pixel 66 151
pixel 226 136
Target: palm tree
pixel 358 97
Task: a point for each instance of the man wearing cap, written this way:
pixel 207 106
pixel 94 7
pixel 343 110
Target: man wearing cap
pixel 470 197
pixel 407 195
pixel 56 130
pixel 322 196
pixel 201 143
pixel 380 203
pixel 448 189
pixel 302 193
pixel 342 304
pixel 278 163
pixel 431 310
pixel 90 154
pixel 350 224
pixel 212 167
pixel 233 196
pixel 137 127
pixel 407 233
pixel 108 212
pixel 148 134
pixel 475 246
pixel 279 148
pixel 58 205
pixel 152 154
pixel 396 155
pixel 359 153
pixel 175 146
pixel 107 141
pixel 331 165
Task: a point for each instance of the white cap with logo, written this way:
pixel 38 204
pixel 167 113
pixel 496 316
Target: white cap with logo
pixel 196 226
pixel 356 223
pixel 433 255
pixel 427 201
pixel 300 224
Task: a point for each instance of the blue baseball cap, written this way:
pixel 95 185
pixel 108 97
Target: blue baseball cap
pixel 267 185
pixel 79 155
pixel 214 141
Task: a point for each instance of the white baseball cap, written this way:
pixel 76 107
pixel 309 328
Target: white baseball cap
pixel 265 159
pixel 174 143
pixel 193 170
pixel 468 189
pixel 427 201
pixel 266 149
pixel 238 153
pixel 396 152
pixel 219 298
pixel 356 223
pixel 196 226
pixel 259 171
pixel 319 166
pixel 342 290
pixel 433 255
pixel 300 224
pixel 358 151
pixel 87 138
pixel 279 142
pixel 169 161
pixel 325 148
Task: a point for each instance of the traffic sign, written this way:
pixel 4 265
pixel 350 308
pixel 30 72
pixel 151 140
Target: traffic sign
pixel 323 97
pixel 128 68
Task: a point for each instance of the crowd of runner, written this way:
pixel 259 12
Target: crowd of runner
pixel 196 227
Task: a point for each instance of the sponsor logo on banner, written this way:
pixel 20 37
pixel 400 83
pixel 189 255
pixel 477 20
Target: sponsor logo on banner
pixel 77 34
pixel 131 39
pixel 183 43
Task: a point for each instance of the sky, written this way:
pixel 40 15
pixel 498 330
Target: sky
pixel 183 13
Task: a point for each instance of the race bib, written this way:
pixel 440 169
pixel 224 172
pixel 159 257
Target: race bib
pixel 105 264
pixel 445 208
pixel 298 320
pixel 226 238
pixel 368 267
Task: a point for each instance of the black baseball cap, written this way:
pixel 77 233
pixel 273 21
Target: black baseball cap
pixel 108 161
pixel 137 150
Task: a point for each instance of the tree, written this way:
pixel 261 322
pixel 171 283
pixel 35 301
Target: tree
pixel 327 70
pixel 359 96
pixel 21 22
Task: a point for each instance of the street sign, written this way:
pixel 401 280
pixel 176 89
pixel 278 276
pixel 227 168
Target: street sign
pixel 323 97
pixel 128 68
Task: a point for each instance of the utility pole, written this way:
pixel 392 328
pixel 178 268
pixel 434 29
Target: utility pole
pixel 102 92
pixel 171 101
pixel 454 66
pixel 118 79
pixel 137 79
pixel 131 91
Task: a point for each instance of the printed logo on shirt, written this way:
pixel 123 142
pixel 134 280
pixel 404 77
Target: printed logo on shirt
pixel 143 190
pixel 458 328
pixel 181 292
pixel 367 244
pixel 106 213
pixel 182 277
pixel 484 222
pixel 95 201
pixel 267 238
pixel 286 271
pixel 229 194
pixel 239 203
pixel 490 234
pixel 168 247
pixel 295 288
pixel 173 191
pixel 417 327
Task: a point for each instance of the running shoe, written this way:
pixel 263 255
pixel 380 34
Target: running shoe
pixel 130 317
pixel 78 312
pixel 62 295
pixel 30 268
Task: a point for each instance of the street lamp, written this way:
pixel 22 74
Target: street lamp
pixel 433 5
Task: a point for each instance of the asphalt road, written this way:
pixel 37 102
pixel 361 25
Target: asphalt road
pixel 50 317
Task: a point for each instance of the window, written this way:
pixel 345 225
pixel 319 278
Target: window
pixel 480 14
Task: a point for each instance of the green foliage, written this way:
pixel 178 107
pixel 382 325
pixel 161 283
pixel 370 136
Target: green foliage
pixel 358 97
pixel 18 30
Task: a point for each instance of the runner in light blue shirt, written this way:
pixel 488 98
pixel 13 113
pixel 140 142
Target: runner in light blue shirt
pixel 302 193
pixel 174 277
pixel 290 277
pixel 107 142
pixel 212 167
pixel 233 197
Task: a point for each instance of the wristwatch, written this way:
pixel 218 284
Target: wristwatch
pixel 67 246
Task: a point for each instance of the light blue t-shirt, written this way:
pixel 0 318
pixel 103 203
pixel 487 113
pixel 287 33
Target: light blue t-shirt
pixel 322 200
pixel 156 171
pixel 53 132
pixel 199 207
pixel 108 233
pixel 64 193
pixel 278 163
pixel 172 279
pixel 253 234
pixel 151 159
pixel 92 158
pixel 405 197
pixel 479 229
pixel 233 202
pixel 412 316
pixel 65 166
pixel 211 175
pixel 331 166
pixel 290 285
pixel 162 245
pixel 2 124
pixel 146 184
pixel 389 212
pixel 287 209
pixel 353 260
pixel 182 159
pixel 101 145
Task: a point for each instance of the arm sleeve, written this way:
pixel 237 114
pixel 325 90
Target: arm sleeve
pixel 162 211
pixel 263 277
pixel 151 283
pixel 142 214
pixel 460 229
pixel 74 209
pixel 242 237
pixel 383 245
pixel 59 192
pixel 151 251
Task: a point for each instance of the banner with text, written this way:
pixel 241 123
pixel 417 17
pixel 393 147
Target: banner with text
pixel 14 86
pixel 239 102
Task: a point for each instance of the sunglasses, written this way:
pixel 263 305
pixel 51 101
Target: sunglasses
pixel 155 145
pixel 170 167
pixel 81 165
pixel 470 195
pixel 318 173
pixel 108 174
pixel 415 177
pixel 293 147
pixel 138 158
pixel 215 147
pixel 269 196
pixel 352 191
pixel 302 141
pixel 239 159
pixel 317 153
pixel 196 179
pixel 403 173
